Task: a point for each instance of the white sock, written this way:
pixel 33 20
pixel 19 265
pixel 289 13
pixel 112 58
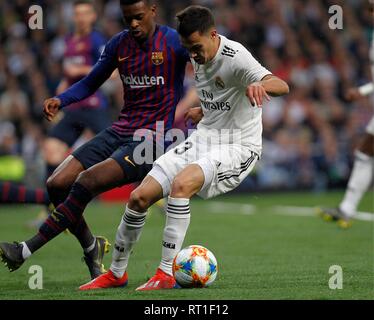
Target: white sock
pixel 128 234
pixel 91 247
pixel 358 184
pixel 177 222
pixel 25 251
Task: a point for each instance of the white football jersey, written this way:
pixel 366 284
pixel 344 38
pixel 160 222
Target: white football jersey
pixel 221 84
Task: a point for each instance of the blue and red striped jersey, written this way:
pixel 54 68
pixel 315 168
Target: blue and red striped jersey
pixel 152 75
pixel 84 50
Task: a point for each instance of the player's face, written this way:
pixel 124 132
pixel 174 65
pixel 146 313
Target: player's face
pixel 140 18
pixel 202 47
pixel 84 17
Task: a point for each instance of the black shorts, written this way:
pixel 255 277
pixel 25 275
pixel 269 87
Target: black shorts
pixel 73 123
pixel 109 144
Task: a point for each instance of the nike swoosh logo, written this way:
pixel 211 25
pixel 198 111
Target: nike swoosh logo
pixel 129 161
pixel 123 59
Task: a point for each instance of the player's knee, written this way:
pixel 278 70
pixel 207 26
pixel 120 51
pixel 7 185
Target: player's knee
pixel 56 183
pixel 181 187
pixel 138 201
pixel 87 179
pixel 366 145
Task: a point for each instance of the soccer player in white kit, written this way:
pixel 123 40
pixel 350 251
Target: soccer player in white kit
pixel 231 87
pixel 362 172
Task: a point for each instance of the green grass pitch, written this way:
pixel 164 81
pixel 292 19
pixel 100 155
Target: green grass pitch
pixel 264 248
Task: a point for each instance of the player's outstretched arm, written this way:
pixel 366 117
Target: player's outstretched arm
pixel 88 85
pixel 194 114
pixel 270 85
pixel 353 94
pixel 101 71
pixel 189 108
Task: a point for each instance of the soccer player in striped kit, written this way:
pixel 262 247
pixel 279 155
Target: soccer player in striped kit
pixel 151 63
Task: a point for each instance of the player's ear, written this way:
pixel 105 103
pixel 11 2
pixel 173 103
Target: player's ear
pixel 153 10
pixel 213 34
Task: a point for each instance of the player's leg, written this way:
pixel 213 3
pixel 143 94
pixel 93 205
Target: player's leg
pixel 14 255
pixel 54 152
pixel 89 183
pixel 67 132
pixel 94 247
pixel 186 183
pixel 101 147
pixel 101 177
pixel 63 177
pixel 12 192
pixel 128 234
pixel 361 176
pixel 218 171
pixel 359 182
pixel 155 186
pixel 56 146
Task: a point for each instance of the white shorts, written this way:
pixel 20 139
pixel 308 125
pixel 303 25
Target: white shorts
pixel 370 127
pixel 225 166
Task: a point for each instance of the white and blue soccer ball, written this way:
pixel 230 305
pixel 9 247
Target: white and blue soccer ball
pixel 195 267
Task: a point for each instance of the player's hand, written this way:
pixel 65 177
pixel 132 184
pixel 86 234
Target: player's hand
pixel 256 94
pixel 51 108
pixel 352 94
pixel 193 114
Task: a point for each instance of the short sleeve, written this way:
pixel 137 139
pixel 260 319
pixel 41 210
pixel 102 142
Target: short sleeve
pixel 247 69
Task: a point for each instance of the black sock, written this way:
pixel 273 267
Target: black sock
pixel 50 169
pixel 64 216
pixel 14 193
pixel 82 232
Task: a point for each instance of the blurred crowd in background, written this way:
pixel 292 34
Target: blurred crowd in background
pixel 309 135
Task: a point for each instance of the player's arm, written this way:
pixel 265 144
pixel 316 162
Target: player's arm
pixel 269 85
pixel 258 82
pixel 189 107
pixel 80 90
pixel 353 94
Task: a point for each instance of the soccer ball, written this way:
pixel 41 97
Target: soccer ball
pixel 195 267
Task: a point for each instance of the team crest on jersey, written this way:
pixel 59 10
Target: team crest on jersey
pixel 157 58
pixel 219 83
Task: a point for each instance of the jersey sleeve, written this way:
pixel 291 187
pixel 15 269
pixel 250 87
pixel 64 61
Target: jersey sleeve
pixel 100 72
pixel 247 69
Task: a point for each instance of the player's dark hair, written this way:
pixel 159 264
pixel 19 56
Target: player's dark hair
pixel 129 2
pixel 194 18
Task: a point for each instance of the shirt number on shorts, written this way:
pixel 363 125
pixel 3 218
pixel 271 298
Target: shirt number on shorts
pixel 180 150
